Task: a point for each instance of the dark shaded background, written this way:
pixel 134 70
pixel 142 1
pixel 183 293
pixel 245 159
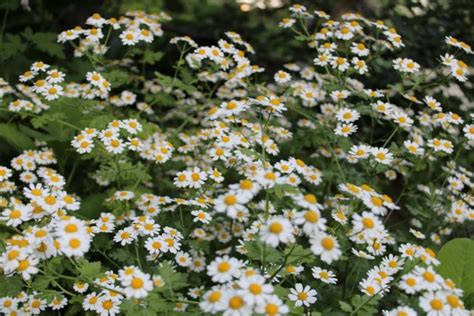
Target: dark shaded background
pixel 207 20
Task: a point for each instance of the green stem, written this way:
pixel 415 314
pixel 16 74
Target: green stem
pixel 71 175
pixel 390 137
pixel 63 289
pixel 68 124
pixel 285 260
pixel 137 253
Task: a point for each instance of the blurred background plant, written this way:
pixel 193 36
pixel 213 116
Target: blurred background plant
pixel 29 28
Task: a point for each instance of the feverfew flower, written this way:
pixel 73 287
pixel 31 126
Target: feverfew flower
pixel 326 246
pixel 277 230
pixel 302 296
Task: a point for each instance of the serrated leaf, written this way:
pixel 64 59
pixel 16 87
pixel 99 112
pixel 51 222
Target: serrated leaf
pixel 43 120
pixel 151 57
pixel 172 278
pixel 161 98
pixel 170 82
pixel 301 255
pixel 122 255
pixel 12 45
pixel 90 269
pixel 250 153
pixel 117 77
pixel 158 304
pixel 45 42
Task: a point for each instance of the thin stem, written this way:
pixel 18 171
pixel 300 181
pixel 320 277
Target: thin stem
pixel 71 175
pixel 285 260
pixel 63 289
pixel 138 257
pixel 390 137
pixel 69 124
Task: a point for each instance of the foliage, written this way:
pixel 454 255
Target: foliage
pixel 311 166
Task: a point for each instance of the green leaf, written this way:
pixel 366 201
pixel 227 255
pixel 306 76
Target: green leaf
pixel 151 57
pixel 15 137
pixel 117 77
pixel 300 255
pixel 42 282
pixel 250 153
pixel 45 42
pixel 457 263
pixel 346 307
pixel 92 204
pixel 103 243
pixel 255 252
pixel 35 134
pixel 158 304
pixel 172 278
pixel 161 98
pixel 12 45
pixel 43 120
pixel 281 291
pixel 98 121
pixel 90 269
pixel 50 296
pixel 15 285
pixel 284 189
pixel 170 82
pixel 123 256
pixel 369 304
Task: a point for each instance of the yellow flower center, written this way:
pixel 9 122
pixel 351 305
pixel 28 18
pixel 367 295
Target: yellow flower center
pixel 236 302
pixel 50 200
pixel 453 301
pixel 23 265
pixel 74 243
pixel 271 309
pixel 15 214
pixel 70 228
pixel 137 283
pixel 428 276
pixel 223 267
pixel 255 288
pixel 436 304
pixel 107 304
pixel 311 216
pixel 230 200
pixel 275 228
pixel 215 296
pixel 327 243
pixel 302 296
pixel 368 223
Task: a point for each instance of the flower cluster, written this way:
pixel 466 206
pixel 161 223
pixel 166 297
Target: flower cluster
pixel 315 191
pixel 135 27
pixel 43 199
